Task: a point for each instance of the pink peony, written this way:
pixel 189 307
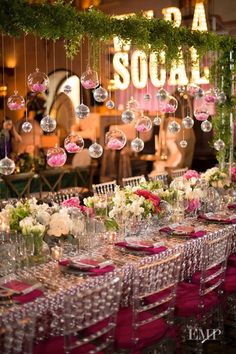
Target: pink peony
pixel 193 204
pixel 141 128
pixel 114 144
pixel 73 202
pixel 86 210
pixel 233 174
pixel 191 174
pixel 37 87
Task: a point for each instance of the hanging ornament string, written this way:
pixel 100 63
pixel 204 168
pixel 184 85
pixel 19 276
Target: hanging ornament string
pixel 81 71
pixel 46 56
pixel 36 52
pixel 25 66
pixel 14 54
pixel 4 103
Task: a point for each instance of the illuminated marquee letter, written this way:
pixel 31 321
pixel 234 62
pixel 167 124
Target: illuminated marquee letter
pixel 173 15
pixel 120 63
pixel 139 69
pixel 199 24
pixel 178 72
pixel 158 77
pixel 199 18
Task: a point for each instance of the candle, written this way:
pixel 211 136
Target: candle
pixel 57 252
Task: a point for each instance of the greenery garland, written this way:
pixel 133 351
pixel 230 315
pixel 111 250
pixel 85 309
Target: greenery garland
pixel 61 20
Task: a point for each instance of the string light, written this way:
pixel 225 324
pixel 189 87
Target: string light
pixel 158 79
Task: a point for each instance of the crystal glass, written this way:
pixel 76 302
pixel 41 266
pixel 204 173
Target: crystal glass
pixel 115 139
pixel 56 157
pixel 38 81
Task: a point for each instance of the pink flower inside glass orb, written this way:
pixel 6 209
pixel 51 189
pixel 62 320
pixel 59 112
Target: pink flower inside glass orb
pixel 170 105
pixel 201 114
pixel 56 157
pixel 193 89
pixel 38 81
pixel 143 124
pixel 115 139
pixel 15 102
pixel 74 143
pixel 210 96
pixel 89 79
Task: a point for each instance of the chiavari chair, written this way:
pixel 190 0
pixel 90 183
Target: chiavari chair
pixel 133 181
pixel 148 324
pixel 162 176
pixel 198 303
pixel 174 173
pixel 89 319
pixel 104 188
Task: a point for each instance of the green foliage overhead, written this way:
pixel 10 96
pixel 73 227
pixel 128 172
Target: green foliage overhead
pixel 62 21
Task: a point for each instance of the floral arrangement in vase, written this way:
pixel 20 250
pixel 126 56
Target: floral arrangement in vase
pixel 217 178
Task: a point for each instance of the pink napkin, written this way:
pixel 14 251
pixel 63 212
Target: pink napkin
pixel 151 250
pixel 196 234
pixel 232 206
pixel 23 299
pixel 223 221
pixel 88 270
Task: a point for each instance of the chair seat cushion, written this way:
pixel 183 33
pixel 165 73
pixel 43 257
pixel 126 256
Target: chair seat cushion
pixel 197 276
pixel 232 260
pixel 55 345
pixel 230 281
pixel 148 333
pixel 188 300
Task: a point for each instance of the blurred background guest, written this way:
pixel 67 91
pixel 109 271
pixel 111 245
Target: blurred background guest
pixel 8 137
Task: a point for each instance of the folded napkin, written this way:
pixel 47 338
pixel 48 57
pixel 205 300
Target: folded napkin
pixel 90 269
pixel 232 206
pixel 194 234
pixel 151 250
pixel 222 221
pixel 24 291
pixel 23 299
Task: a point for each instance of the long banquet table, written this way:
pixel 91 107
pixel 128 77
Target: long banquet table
pixel 57 284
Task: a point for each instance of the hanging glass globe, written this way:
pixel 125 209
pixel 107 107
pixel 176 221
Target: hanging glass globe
pixel 127 116
pixel 181 88
pixel 100 94
pixel 147 97
pixel 27 127
pixel 193 89
pixel 7 166
pixel 170 106
pixel 82 111
pixel 221 97
pixel 38 81
pixel 89 79
pixel 133 104
pixel 137 145
pixel 15 102
pixel 210 96
pixel 187 122
pixel 115 139
pixel 201 113
pixel 48 124
pixel 173 127
pixel 143 124
pixel 157 120
pixel 110 104
pixel 206 126
pixel 56 157
pixel 219 145
pixel 183 143
pixel 95 150
pixel 73 143
pixel 162 95
pixel 67 89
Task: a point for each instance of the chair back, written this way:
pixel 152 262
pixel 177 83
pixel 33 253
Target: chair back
pixel 162 176
pixel 213 263
pixel 51 179
pixel 104 188
pixel 95 307
pixel 174 173
pixel 17 335
pixel 133 181
pixel 12 180
pixel 155 289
